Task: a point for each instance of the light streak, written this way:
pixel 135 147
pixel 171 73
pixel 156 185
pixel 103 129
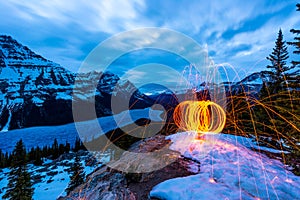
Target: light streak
pixel 200 116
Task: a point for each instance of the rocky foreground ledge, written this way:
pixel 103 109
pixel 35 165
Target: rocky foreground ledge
pixel 109 183
pixel 232 167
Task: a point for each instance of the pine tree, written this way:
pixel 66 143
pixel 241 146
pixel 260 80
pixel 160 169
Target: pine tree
pixel 7 159
pixel 278 57
pixel 31 154
pixel 46 151
pixel 19 185
pixel 77 145
pixel 67 147
pixel 55 149
pixel 2 160
pixel 296 42
pixel 264 91
pixel 38 156
pixel 77 175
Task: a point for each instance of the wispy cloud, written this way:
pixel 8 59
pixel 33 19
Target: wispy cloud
pixel 105 16
pixel 238 32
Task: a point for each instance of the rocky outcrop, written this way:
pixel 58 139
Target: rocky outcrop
pixel 103 185
pixel 110 183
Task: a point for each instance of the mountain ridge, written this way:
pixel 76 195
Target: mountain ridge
pixel 35 91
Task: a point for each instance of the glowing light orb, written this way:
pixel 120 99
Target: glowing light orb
pixel 200 116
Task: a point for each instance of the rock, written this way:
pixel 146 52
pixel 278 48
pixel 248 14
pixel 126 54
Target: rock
pixel 110 182
pixel 44 169
pixel 37 178
pixel 52 173
pixel 49 181
pixel 66 156
pixel 146 156
pixel 103 186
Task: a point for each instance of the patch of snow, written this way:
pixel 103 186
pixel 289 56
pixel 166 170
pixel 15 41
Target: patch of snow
pixel 51 190
pixel 63 95
pixel 5 128
pixel 37 101
pixel 16 101
pixel 229 170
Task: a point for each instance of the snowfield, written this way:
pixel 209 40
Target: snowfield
pixel 229 170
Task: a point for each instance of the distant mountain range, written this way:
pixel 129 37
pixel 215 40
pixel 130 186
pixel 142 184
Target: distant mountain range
pixel 35 91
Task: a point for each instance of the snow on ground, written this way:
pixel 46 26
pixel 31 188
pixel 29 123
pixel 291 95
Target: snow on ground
pixel 55 177
pixel 229 170
pixel 6 126
pixel 45 135
pixel 37 101
pixel 52 186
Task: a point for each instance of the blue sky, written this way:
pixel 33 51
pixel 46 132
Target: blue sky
pixel 238 32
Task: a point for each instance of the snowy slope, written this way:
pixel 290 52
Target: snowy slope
pixel 53 177
pixel 45 135
pixel 25 72
pixel 229 170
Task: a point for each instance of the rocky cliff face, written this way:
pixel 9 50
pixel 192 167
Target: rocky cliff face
pixel 35 91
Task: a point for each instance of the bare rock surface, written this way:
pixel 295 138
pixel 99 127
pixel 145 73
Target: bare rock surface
pixel 109 182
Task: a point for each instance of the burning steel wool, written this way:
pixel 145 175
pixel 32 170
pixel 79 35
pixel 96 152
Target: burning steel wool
pixel 200 116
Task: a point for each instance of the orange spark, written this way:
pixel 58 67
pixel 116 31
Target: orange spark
pixel 200 116
pixel 211 180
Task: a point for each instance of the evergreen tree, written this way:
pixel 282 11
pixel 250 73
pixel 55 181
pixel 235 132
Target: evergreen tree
pixel 296 42
pixel 46 151
pixel 2 160
pixel 77 145
pixel 264 91
pixel 31 154
pixel 38 156
pixel 278 57
pixel 55 149
pixel 19 185
pixel 7 159
pixel 67 147
pixel 77 175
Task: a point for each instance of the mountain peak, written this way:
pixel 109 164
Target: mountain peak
pixel 14 54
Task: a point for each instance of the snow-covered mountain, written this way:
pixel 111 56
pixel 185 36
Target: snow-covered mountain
pixel 35 91
pixel 251 84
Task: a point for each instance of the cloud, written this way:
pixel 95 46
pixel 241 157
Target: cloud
pixel 238 32
pixel 155 73
pixel 105 16
pixel 56 29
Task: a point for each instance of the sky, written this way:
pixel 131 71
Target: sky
pixel 238 32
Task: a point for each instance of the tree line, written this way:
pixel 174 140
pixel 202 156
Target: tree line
pixel 36 154
pixel 20 185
